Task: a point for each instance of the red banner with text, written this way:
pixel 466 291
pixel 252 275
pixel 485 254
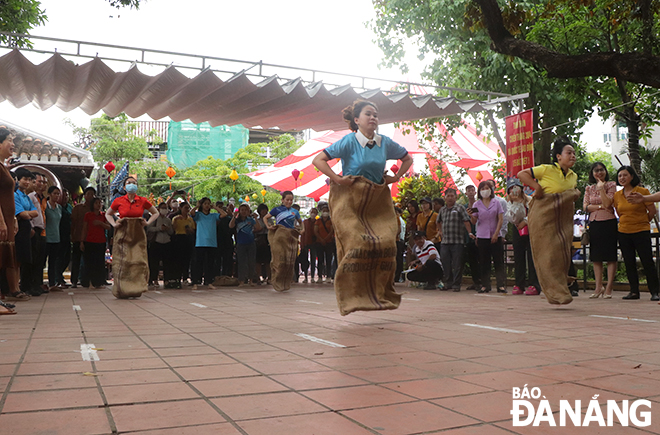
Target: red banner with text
pixel 519 142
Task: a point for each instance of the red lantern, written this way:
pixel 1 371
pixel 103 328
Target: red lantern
pixel 295 173
pixel 109 167
pixel 394 169
pixel 317 199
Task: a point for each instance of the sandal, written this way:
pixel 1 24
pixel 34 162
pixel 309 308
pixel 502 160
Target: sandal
pixel 18 296
pixel 501 290
pixel 5 310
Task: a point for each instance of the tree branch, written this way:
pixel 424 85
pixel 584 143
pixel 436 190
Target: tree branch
pixel 637 67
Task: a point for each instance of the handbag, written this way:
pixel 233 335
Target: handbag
pixel 585 239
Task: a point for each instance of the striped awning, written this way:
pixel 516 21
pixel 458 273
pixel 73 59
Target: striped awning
pixel 268 103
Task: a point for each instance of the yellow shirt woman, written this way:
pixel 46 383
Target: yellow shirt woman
pixel 633 218
pixel 180 224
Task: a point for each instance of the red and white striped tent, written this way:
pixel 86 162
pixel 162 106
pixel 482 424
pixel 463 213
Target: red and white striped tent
pixel 474 153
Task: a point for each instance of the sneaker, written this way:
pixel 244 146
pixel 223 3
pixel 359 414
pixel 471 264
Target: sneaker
pixel 531 291
pixel 517 291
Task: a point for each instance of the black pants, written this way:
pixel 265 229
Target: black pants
pixel 205 259
pixel 225 258
pixel 54 260
pixel 78 272
pixel 523 262
pixel 182 247
pixel 640 243
pixel 325 253
pixel 400 249
pixel 494 251
pixel 32 273
pixel 65 255
pixel 471 255
pixel 95 263
pixel 160 252
pixel 431 272
pixel 308 259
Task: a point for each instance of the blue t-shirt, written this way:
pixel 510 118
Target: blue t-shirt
pixel 53 218
pixel 22 202
pixel 285 216
pixel 358 160
pixel 244 234
pixel 206 230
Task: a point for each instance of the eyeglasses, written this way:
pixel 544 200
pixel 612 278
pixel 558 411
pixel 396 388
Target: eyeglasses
pixel 600 170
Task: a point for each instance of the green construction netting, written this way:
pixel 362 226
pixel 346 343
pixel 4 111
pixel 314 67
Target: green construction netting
pixel 188 143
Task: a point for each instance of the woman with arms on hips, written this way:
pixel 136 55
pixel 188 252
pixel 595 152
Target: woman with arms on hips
pixel 597 204
pixel 361 205
pixel 635 207
pixel 130 268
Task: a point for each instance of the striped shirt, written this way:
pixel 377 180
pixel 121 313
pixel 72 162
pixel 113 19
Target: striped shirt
pixel 426 251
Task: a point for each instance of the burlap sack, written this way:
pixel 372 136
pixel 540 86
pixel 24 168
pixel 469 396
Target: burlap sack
pixel 365 228
pixel 130 268
pixel 551 236
pixel 284 250
pixel 225 281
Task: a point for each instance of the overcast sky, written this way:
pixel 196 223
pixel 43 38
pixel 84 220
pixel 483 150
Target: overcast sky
pixel 321 35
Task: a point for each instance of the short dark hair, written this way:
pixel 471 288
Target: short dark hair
pixel 130 177
pixel 285 193
pixel 296 206
pixel 88 189
pixel 592 179
pixel 470 186
pixel 485 184
pixel 52 189
pixel 558 146
pixel 635 178
pixel 23 173
pixel 4 134
pixel 450 190
pixel 262 206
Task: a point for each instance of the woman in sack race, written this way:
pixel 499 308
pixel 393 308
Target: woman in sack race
pixel 602 233
pixel 363 213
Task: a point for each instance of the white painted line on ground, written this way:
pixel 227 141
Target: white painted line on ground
pixel 320 340
pixel 492 328
pixel 199 291
pixel 198 305
pixel 240 291
pixel 70 293
pixel 88 352
pixel 76 308
pixel 160 293
pixel 623 318
pixel 489 296
pixel 410 299
pixel 309 302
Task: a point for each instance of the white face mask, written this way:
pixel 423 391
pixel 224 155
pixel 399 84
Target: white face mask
pixel 162 211
pixel 485 194
pixel 325 214
pixel 515 191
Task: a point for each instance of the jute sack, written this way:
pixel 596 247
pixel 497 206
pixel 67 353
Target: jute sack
pixel 284 250
pixel 365 230
pixel 551 236
pixel 225 281
pixel 130 268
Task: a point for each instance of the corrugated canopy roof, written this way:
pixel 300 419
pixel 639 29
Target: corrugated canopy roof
pixel 290 105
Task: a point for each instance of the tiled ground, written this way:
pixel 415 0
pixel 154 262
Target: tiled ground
pixel 233 364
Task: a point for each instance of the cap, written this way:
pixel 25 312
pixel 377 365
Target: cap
pixel 425 199
pixel 419 234
pixel 512 182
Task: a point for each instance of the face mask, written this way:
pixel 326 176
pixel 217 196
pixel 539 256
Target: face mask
pixel 515 191
pixel 325 214
pixel 162 211
pixel 485 193
pixel 131 188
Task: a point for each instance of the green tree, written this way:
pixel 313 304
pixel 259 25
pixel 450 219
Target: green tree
pixel 459 56
pixel 582 166
pixel 282 146
pixel 112 139
pixel 21 16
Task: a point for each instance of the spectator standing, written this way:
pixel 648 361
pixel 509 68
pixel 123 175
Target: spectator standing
pixel 38 240
pixel 489 217
pixel 77 220
pixel 93 247
pixel 525 272
pixel 400 244
pixel 65 238
pixel 183 243
pixel 471 251
pixel 246 250
pixel 308 254
pixel 25 212
pixel 225 257
pixel 53 248
pixel 325 237
pixel 453 223
pixel 263 246
pixel 206 242
pixel 426 220
pixel 160 232
pixel 632 204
